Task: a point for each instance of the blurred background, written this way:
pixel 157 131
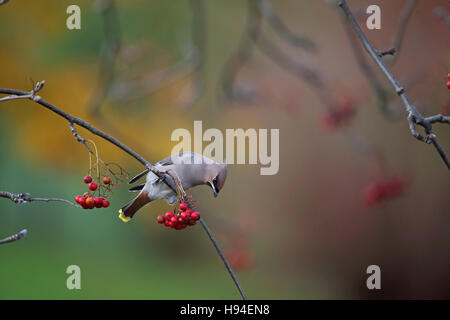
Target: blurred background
pixel 354 187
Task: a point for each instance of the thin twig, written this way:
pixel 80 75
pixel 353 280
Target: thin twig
pixel 381 93
pixel 15 237
pixel 21 198
pixel 225 262
pixel 78 137
pixel 414 116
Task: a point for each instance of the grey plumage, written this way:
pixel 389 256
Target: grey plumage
pixel 191 168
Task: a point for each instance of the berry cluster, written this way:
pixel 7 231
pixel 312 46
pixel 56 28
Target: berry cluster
pixel 87 200
pixel 380 191
pixel 185 217
pixel 448 82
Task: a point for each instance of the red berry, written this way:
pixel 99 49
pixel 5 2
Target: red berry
pixel 92 186
pixel 105 203
pixel 189 211
pixel 82 201
pixel 87 179
pixel 78 199
pixel 106 180
pixel 448 84
pixel 183 206
pixel 191 222
pixel 161 219
pixel 169 215
pixel 98 202
pixel 167 223
pixel 90 203
pixel 195 215
pixel 448 76
pixel 180 226
pixel 184 215
pixel 174 219
pixel 172 224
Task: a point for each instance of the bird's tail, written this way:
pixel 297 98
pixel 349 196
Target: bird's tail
pixel 127 212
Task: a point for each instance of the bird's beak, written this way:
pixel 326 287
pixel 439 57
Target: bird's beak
pixel 216 192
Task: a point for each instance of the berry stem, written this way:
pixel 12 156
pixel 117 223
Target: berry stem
pixel 225 262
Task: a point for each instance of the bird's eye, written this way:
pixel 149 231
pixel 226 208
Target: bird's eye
pixel 215 180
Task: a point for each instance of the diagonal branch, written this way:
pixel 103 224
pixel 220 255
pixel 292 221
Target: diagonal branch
pixel 227 265
pixel 25 197
pixel 366 70
pixel 80 122
pixel 414 116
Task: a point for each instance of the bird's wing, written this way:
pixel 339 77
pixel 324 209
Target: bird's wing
pixel 137 188
pixel 165 162
pixel 140 175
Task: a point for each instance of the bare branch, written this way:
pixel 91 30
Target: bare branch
pixel 381 93
pixel 414 116
pixel 74 120
pixel 15 237
pixel 227 265
pixel 22 198
pixel 438 118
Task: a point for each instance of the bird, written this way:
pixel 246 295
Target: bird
pixel 191 168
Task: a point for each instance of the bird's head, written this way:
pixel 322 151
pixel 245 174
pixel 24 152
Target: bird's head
pixel 216 178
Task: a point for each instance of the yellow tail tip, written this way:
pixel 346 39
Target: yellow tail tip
pixel 123 217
